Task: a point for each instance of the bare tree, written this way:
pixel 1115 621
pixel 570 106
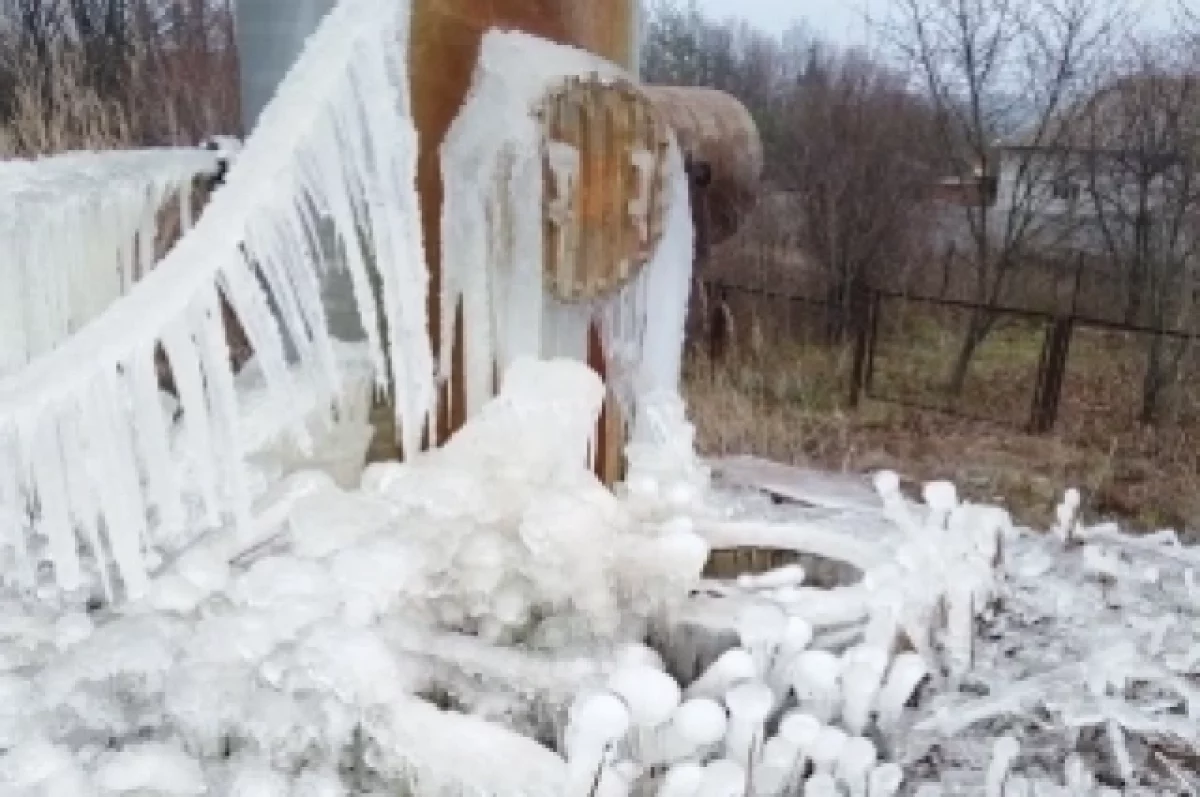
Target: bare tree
pixel 996 71
pixel 1139 150
pixel 846 144
pixel 859 168
pixel 683 47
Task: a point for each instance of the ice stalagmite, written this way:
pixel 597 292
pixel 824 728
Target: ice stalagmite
pixel 333 158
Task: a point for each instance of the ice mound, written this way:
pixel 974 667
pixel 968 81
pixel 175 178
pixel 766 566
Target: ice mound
pixel 518 539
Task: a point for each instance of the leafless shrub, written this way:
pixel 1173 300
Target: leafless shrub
pixel 114 73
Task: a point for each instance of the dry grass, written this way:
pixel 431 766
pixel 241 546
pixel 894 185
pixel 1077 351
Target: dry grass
pixel 788 401
pixel 172 88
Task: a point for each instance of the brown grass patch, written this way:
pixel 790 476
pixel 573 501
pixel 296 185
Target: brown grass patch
pixel 788 401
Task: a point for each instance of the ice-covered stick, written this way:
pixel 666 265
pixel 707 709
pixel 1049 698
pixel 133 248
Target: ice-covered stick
pixel 960 626
pixel 895 509
pixel 1116 739
pixel 761 628
pixel 800 731
pixel 786 576
pixel 1004 753
pixel 595 723
pixel 862 673
pixel 827 748
pixel 1067 516
pixel 1079 779
pixel 616 780
pixel 942 499
pixel 652 697
pixel 821 784
pixel 855 763
pixel 816 680
pixel 730 667
pixel 907 672
pixel 698 724
pixel 776 769
pixel 682 780
pixel 723 778
pixel 796 638
pixel 749 705
pixel 885 780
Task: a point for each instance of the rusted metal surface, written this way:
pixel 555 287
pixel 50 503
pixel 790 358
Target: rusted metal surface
pixel 445 43
pixel 716 130
pixel 602 223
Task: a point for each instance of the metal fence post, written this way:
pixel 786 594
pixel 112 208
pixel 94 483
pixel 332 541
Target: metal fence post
pixel 1052 369
pixel 862 307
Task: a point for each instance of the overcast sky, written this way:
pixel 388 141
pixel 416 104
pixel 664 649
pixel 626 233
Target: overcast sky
pixel 840 20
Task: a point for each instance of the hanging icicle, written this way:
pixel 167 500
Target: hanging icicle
pixel 336 146
pixel 515 185
pixel 78 230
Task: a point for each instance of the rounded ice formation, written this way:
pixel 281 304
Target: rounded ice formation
pixel 800 729
pixel 752 700
pixel 941 496
pixel 651 695
pixel 700 722
pixel 682 780
pixel 731 666
pixel 603 716
pixel 887 482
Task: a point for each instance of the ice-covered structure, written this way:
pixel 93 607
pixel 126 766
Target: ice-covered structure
pixel 86 454
pixel 332 163
pixel 78 230
pixel 517 199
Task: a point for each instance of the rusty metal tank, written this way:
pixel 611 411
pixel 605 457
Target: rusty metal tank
pixel 716 130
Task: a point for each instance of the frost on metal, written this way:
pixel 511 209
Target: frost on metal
pixel 78 230
pixel 492 236
pixel 85 446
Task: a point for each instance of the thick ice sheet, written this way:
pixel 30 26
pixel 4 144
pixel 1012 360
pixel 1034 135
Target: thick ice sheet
pixel 803 485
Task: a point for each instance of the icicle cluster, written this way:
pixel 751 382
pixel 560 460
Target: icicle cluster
pixel 1099 640
pixel 77 231
pixel 84 443
pixel 769 717
pixel 492 237
pixel 918 580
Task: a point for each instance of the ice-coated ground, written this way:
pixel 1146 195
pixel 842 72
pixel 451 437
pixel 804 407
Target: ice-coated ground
pixel 475 621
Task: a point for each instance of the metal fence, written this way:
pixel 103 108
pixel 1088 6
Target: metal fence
pixel 901 346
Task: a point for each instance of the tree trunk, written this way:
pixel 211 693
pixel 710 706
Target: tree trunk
pixel 977 329
pixel 1152 383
